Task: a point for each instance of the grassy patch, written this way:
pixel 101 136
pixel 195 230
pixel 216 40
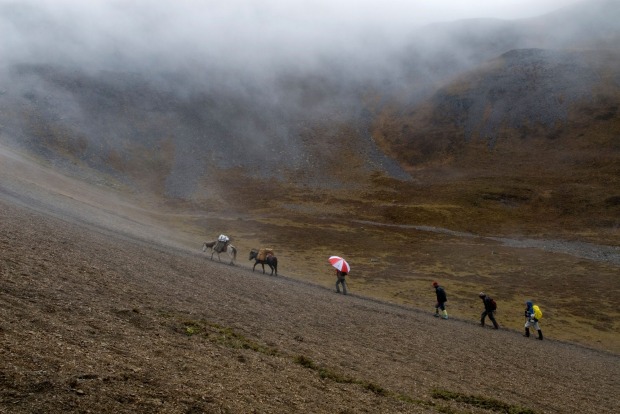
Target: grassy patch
pixel 481 402
pixel 224 336
pixel 323 372
pixel 305 362
pixel 377 389
pixel 327 373
pixel 192 328
pixel 227 337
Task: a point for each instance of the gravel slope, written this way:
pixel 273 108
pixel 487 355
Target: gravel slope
pixel 93 321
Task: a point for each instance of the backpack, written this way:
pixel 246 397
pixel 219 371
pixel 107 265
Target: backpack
pixel 537 312
pixel 493 304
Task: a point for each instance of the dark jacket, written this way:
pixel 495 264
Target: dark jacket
pixel 487 304
pixel 441 294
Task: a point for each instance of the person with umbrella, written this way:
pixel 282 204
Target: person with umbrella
pixel 342 269
pixel 341 281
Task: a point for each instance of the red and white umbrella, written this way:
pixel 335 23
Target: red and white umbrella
pixel 340 264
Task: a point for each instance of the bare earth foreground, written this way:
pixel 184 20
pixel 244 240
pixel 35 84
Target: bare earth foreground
pixel 95 321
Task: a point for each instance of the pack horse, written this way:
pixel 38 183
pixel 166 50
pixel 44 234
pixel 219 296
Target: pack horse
pixel 264 257
pixel 222 244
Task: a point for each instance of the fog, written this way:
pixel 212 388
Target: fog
pixel 238 35
pixel 203 71
pixel 245 45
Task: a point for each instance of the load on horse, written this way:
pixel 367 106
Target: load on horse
pixel 222 241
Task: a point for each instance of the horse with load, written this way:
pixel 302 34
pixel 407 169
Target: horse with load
pixel 221 245
pixel 264 256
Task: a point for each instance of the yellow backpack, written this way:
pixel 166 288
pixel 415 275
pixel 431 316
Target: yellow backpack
pixel 537 312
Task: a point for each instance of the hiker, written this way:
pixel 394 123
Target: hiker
pixel 532 315
pixel 340 280
pixel 441 301
pixel 489 310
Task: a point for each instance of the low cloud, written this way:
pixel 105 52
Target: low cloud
pixel 242 35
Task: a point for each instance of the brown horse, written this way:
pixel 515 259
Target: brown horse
pixel 270 260
pixel 230 249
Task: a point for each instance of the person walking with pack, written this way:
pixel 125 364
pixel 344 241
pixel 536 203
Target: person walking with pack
pixel 489 309
pixel 532 316
pixel 340 281
pixel 442 298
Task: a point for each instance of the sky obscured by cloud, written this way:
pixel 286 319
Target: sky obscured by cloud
pixel 235 31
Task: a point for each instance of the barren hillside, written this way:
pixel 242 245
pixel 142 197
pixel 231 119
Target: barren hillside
pixel 106 310
pixel 93 321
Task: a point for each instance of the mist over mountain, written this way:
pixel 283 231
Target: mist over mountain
pixel 166 111
pixel 521 96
